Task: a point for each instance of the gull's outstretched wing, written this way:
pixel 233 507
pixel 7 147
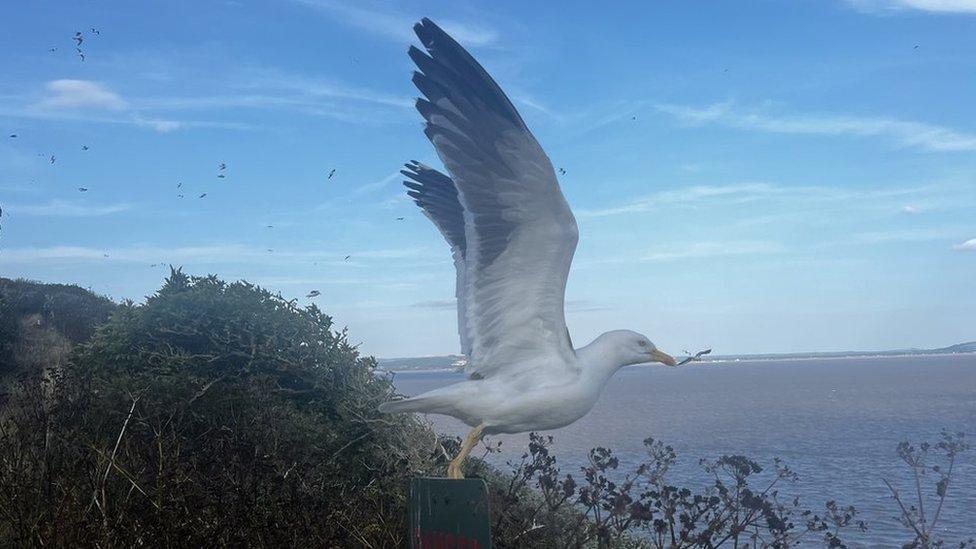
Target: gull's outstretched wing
pixel 437 196
pixel 519 233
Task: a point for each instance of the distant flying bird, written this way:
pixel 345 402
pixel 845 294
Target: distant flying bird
pixel 52 49
pixel 179 185
pixel 52 159
pixel 916 46
pixel 512 236
pixel 83 189
pixel 270 226
pixel 95 31
pixel 562 171
pixel 347 258
pixel 13 136
pixel 331 173
pixel 203 195
pixel 222 166
pixel 84 147
pixel 221 176
pixel 81 54
pixel 400 219
pixel 104 255
pixel 313 293
pixel 78 38
pixel 270 250
pixel 696 356
pixel 181 196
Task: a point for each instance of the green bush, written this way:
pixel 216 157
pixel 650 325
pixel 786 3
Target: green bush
pixel 35 311
pixel 214 413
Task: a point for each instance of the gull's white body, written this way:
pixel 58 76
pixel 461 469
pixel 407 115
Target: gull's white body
pixel 512 236
pixel 549 393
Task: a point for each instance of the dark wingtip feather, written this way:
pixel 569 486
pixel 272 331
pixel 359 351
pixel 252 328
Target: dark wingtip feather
pixel 426 30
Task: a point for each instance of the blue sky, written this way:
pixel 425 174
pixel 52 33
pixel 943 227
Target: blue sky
pixel 751 176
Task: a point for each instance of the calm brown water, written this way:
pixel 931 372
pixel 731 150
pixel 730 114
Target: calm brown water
pixel 836 422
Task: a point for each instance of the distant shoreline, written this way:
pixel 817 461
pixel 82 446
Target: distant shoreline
pixel 736 359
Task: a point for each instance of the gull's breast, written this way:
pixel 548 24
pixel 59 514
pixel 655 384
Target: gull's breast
pixel 541 409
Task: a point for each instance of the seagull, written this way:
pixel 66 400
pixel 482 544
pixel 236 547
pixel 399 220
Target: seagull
pixel 13 136
pixel 400 218
pixel 84 147
pixel 53 159
pixel 512 236
pixel 696 356
pixel 203 195
pixel 313 293
pixel 222 166
pixel 562 171
pixel 83 189
pixel 347 258
pixel 78 38
pixel 331 173
pixel 95 31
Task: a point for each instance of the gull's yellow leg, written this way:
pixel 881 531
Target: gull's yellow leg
pixel 454 469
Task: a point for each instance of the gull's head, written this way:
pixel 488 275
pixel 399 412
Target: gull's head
pixel 627 347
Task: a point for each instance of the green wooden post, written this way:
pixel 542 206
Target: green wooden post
pixel 449 514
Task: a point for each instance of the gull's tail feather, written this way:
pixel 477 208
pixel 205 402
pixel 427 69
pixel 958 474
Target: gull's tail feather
pixel 421 403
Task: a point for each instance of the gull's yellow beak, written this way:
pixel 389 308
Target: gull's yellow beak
pixel 663 358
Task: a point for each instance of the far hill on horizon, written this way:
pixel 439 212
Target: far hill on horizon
pixel 444 362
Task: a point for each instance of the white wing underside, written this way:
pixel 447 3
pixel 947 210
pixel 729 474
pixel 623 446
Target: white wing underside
pixel 511 231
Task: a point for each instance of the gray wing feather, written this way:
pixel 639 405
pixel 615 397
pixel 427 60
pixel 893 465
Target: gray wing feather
pixel 437 196
pixel 519 233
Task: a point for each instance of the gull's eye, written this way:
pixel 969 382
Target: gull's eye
pixel 642 343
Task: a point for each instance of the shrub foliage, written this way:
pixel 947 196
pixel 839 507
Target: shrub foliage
pixel 214 413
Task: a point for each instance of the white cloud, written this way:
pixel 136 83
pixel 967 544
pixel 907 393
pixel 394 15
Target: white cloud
pixel 437 304
pixel 905 235
pixel 908 134
pixel 967 246
pixel 397 26
pixel 379 184
pixel 310 90
pixel 584 306
pixel 161 126
pixel 88 101
pixel 130 118
pixel 784 202
pixel 703 250
pixel 79 94
pixel 209 254
pixel 933 6
pixel 733 193
pixel 909 209
pixel 63 208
